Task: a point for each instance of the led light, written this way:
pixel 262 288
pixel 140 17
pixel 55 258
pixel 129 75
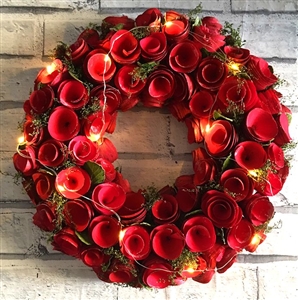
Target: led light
pixel 234 66
pixel 50 68
pixel 253 173
pixel 168 24
pixel 107 58
pixel 190 270
pixel 255 240
pixel 121 235
pixel 207 128
pixel 94 137
pixel 60 188
pixel 21 140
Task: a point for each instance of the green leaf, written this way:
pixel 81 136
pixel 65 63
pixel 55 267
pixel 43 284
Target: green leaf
pixel 193 213
pixel 84 237
pixel 96 172
pixel 226 162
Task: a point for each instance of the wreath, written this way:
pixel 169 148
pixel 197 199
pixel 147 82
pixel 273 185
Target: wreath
pixel 226 96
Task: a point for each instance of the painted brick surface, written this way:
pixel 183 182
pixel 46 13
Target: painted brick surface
pixel 157 153
pixel 214 5
pixel 265 5
pixel 17 36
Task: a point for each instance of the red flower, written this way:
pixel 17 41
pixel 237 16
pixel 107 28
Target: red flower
pixel 221 209
pixel 41 100
pixel 32 135
pixel 160 87
pixel 167 241
pixel 107 150
pixel 154 46
pixel 184 57
pixel 121 273
pixel 158 273
pixel 208 34
pixel 79 50
pixel 276 156
pixel 238 55
pixel 261 73
pixel 113 21
pixel 227 260
pixel 269 101
pixel 220 138
pixel 135 243
pixel 110 172
pixel 211 73
pixel 176 26
pixel 240 92
pixel 201 104
pixel 82 149
pixel 44 184
pixel 258 209
pixel 45 216
pixel 108 197
pixel 25 161
pixel 104 231
pixel 125 48
pixel 261 125
pixel 184 88
pixel 165 210
pixel 63 124
pixel 73 182
pixel 236 184
pixel 52 153
pixel 283 135
pixel 204 167
pixel 91 36
pixel 193 130
pixel 73 94
pixel 150 17
pixel 77 214
pixel 67 242
pixel 239 236
pixel 92 256
pixel 199 233
pixel 250 155
pixel 47 75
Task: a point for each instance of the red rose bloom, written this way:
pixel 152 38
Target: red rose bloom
pixel 258 209
pixel 283 135
pixel 113 21
pixel 91 36
pixel 52 153
pixel 108 197
pixel 104 231
pixel 82 149
pixel 239 236
pixel 238 55
pixel 240 92
pixel 67 242
pixel 150 17
pixel 184 57
pixel 77 214
pixel 107 150
pixel 93 256
pixel 109 170
pixel 135 243
pixel 220 138
pixel 160 87
pixel 73 182
pixel 236 184
pixel 199 234
pixel 227 260
pixel 193 130
pixel 25 161
pixel 31 134
pixel 250 155
pixel 44 184
pixel 167 241
pixel 79 50
pixel 48 74
pixel 261 125
pixel 154 46
pixel 165 210
pixel 201 104
pixel 221 209
pixel 45 216
pixel 261 73
pixel 211 73
pixel 41 100
pixel 125 48
pixel 73 94
pixel 63 124
pixel 208 34
pixel 269 101
pixel 120 272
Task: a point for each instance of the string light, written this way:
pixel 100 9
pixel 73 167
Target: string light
pixel 207 128
pixel 253 173
pixel 21 140
pixel 255 239
pixel 169 23
pixel 121 235
pixel 50 68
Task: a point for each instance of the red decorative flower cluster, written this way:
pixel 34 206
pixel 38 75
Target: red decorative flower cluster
pixel 228 101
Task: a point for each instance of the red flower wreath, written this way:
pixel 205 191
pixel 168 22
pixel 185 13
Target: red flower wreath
pixel 228 101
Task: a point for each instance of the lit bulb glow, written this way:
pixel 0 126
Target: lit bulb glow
pixel 94 137
pixel 50 68
pixel 121 235
pixel 60 188
pixel 253 173
pixel 190 270
pixel 107 58
pixel 21 140
pixel 168 24
pixel 207 128
pixel 255 240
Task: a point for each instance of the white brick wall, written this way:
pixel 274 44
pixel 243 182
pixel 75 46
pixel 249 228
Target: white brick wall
pixel 30 269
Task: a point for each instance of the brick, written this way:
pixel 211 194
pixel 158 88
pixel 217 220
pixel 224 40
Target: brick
pixel 20 236
pixel 269 36
pixel 17 36
pixel 264 5
pixel 38 3
pixel 51 280
pixel 141 132
pixel 278 280
pixel 213 5
pixel 66 32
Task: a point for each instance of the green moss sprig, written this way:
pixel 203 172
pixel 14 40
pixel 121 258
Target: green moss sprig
pixel 151 195
pixel 142 71
pixel 233 35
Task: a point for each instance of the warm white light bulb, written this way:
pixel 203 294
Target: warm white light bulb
pixel 168 24
pixel 21 140
pixel 121 235
pixel 50 68
pixel 107 58
pixel 255 240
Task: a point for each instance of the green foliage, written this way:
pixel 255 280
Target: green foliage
pixel 194 19
pixel 151 195
pixel 186 259
pixel 143 70
pixel 141 32
pixel 233 35
pixel 95 171
pixel 88 109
